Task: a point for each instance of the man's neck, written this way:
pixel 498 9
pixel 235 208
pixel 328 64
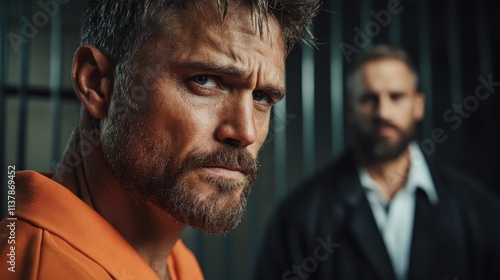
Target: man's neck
pixel 390 175
pixel 151 231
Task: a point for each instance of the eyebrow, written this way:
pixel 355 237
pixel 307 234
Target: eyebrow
pixel 226 70
pixel 278 94
pixel 231 71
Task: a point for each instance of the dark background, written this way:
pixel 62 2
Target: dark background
pixel 452 43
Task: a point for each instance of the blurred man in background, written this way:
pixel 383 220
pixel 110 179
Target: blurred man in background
pixel 177 97
pixel 383 211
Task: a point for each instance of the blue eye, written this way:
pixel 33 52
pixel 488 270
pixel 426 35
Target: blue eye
pixel 262 97
pixel 205 80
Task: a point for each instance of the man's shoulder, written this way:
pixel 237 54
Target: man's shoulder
pixel 331 177
pixel 464 187
pixel 326 189
pixel 35 253
pixel 57 232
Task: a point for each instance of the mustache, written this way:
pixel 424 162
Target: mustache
pixel 223 156
pixel 383 123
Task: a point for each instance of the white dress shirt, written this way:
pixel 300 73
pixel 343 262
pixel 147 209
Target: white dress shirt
pixel 395 217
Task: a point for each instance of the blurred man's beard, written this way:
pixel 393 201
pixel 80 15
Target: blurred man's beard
pixel 149 170
pixel 381 149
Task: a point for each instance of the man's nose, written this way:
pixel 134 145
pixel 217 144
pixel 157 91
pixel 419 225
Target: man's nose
pixel 383 108
pixel 237 126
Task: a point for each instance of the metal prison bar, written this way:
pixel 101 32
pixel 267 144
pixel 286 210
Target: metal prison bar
pixel 3 130
pixel 291 151
pixel 24 63
pixel 425 66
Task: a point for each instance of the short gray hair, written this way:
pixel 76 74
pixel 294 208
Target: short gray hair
pixel 354 79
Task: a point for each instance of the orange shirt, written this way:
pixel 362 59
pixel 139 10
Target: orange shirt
pixel 58 236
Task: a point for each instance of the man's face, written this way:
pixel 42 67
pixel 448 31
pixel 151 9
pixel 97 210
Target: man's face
pixel 385 113
pixel 191 147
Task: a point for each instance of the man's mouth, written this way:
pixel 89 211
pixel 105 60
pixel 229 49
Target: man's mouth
pixel 386 131
pixel 232 172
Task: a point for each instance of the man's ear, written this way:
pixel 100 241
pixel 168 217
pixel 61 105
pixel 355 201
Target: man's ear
pixel 92 75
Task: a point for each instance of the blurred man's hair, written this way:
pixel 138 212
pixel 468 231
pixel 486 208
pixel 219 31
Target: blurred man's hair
pixel 354 79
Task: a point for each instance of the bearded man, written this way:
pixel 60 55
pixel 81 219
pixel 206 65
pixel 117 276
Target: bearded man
pixel 383 211
pixel 177 97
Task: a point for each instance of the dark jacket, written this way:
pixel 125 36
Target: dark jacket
pixel 325 230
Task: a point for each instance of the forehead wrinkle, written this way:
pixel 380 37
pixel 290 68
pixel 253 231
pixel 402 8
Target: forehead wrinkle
pixel 391 73
pixel 234 61
pixel 258 74
pixel 232 47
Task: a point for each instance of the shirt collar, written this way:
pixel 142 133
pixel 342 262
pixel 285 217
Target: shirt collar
pixel 419 175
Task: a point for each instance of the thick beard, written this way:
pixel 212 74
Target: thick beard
pixel 146 167
pixel 377 149
pixel 212 214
